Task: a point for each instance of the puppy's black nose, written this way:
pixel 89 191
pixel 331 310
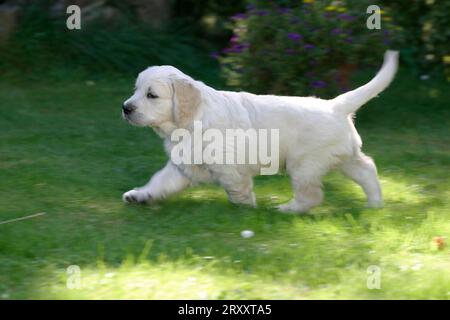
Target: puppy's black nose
pixel 127 108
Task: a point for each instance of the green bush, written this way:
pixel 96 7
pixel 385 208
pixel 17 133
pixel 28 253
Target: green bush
pixel 308 48
pixel 426 26
pixel 207 18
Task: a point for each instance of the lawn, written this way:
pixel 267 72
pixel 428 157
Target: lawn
pixel 65 151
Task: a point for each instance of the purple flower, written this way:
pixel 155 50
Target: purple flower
pixel 236 48
pixel 262 12
pixel 214 55
pixel 285 10
pixel 309 46
pixel 294 36
pixel 349 40
pixel 234 39
pixel 336 31
pixel 239 16
pixel 318 84
pixel 346 17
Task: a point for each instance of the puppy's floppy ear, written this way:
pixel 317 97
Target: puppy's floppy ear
pixel 187 100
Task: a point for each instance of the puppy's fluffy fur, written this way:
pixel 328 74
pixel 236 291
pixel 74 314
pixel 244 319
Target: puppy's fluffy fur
pixel 315 134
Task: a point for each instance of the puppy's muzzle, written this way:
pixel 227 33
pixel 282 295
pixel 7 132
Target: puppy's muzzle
pixel 128 108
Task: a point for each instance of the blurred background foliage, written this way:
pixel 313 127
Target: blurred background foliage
pixel 275 46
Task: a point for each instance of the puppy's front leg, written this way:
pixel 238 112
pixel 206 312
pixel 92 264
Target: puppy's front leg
pixel 239 189
pixel 165 182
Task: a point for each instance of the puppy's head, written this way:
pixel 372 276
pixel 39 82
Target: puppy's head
pixel 162 95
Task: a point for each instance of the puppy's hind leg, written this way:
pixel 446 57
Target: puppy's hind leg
pixel 307 187
pixel 361 169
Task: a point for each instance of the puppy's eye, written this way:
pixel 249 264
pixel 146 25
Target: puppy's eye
pixel 151 95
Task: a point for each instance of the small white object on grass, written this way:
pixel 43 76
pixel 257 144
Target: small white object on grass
pixel 247 234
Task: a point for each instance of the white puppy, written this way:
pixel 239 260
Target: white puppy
pixel 315 135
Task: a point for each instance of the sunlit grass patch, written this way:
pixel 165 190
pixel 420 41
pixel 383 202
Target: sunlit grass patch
pixel 417 276
pixel 165 280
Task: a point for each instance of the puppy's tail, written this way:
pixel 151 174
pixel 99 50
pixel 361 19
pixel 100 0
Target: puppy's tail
pixel 350 101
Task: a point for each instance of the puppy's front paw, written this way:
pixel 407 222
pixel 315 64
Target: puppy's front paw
pixel 293 207
pixel 376 203
pixel 136 196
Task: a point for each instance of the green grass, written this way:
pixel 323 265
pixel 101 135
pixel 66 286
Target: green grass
pixel 65 151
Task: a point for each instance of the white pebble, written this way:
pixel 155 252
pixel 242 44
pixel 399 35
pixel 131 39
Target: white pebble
pixel 247 234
